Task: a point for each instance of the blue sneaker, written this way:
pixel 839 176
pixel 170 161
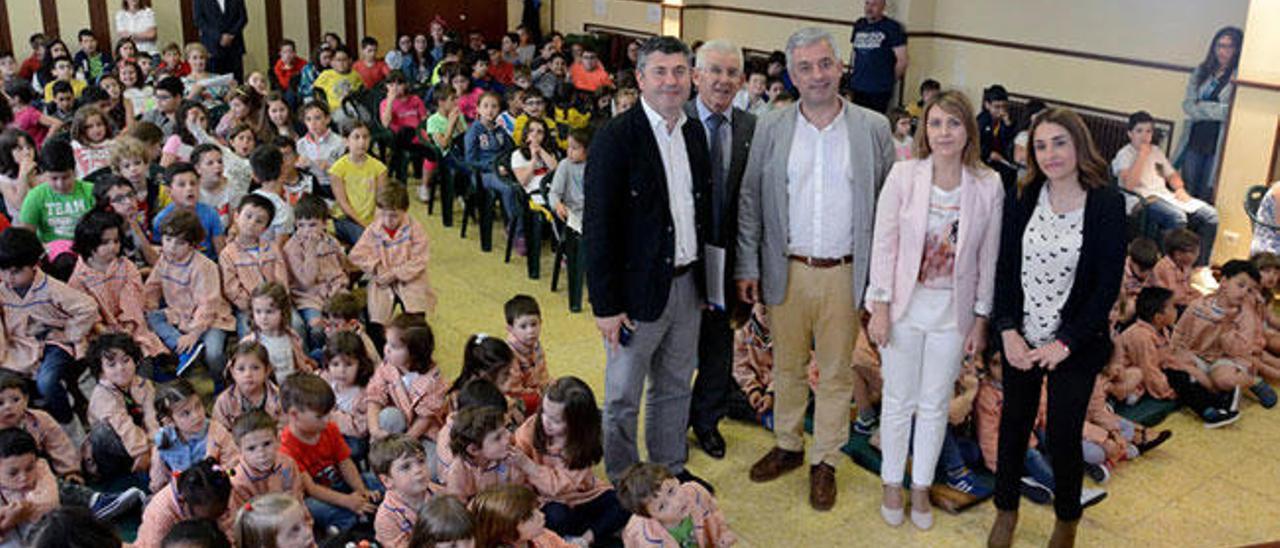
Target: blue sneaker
pixel 106 506
pixel 766 420
pixel 1035 491
pixel 965 481
pixel 1265 394
pixel 1217 418
pixel 186 359
pixel 865 425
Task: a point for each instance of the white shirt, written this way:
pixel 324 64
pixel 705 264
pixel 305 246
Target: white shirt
pixel 819 190
pixel 1050 254
pixel 675 164
pixel 135 22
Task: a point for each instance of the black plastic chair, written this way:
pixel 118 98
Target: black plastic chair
pixel 570 254
pixel 536 217
pixel 363 105
pixel 1137 220
pixel 479 203
pixel 1252 201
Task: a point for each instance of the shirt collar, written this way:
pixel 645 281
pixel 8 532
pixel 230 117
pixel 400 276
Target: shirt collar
pixel 657 121
pixel 839 119
pixel 705 112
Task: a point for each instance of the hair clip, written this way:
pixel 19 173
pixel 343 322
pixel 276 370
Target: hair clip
pixel 248 507
pixel 215 467
pixel 176 474
pixel 480 337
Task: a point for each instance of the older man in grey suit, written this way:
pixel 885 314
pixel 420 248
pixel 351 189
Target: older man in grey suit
pixel 804 244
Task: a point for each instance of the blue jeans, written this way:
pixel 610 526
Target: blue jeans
pixel 359 448
pixel 1203 221
pixel 1195 173
pixel 603 516
pixel 1037 466
pixel 348 231
pixel 49 381
pixel 327 515
pixel 510 198
pixel 215 341
pixel 312 336
pixel 957 452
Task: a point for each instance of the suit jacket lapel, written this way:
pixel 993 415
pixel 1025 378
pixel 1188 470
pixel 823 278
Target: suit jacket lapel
pixel 648 146
pixel 786 129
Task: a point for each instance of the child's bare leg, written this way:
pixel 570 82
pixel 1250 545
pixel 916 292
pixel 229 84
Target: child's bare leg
pixel 1273 341
pixel 1226 377
pixel 1269 367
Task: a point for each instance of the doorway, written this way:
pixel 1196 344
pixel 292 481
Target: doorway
pixel 489 16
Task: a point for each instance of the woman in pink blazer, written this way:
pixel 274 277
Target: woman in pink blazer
pixel 933 262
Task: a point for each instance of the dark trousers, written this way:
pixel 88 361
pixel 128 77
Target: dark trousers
pixel 877 101
pixel 407 152
pixel 603 516
pixel 225 63
pixel 715 371
pixel 1070 386
pixel 1191 394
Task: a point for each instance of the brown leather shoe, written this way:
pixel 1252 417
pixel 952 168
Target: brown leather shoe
pixel 775 463
pixel 822 486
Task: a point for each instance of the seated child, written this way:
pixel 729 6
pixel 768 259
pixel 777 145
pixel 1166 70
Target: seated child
pixel 112 280
pixel 566 185
pixel 406 393
pixel 1139 266
pixel 348 368
pixel 262 469
pixel 476 393
pixel 670 512
pixel 27 487
pixel 1145 345
pixel 342 313
pixel 274 519
pixel 53 208
pixel 1268 265
pixel 953 466
pixel 508 515
pixel 753 371
pixel 528 378
pixel 195 317
pixel 1110 438
pixel 563 438
pixel 357 180
pixel 402 468
pixel 202 491
pixel 216 190
pixel 317 265
pixel 51 441
pixel 46 322
pixel 1174 271
pixel 484 456
pixel 1221 336
pixel 186 435
pixel 266 162
pixel 248 386
pixel 336 493
pixel 248 261
pixel 320 148
pixel 122 417
pixel 443 521
pixel 270 328
pixel 393 252
pixel 183 190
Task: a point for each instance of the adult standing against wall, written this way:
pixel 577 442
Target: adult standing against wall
pixel 718 76
pixel 879 57
pixel 804 242
pixel 221 24
pixel 1058 274
pixel 137 22
pixel 933 275
pixel 1207 101
pixel 645 218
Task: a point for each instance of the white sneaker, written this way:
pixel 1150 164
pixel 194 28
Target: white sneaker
pixel 423 194
pixel 1091 496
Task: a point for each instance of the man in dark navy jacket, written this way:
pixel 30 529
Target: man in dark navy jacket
pixel 647 188
pixel 221 24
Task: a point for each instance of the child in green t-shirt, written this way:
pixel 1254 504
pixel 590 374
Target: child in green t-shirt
pixel 53 208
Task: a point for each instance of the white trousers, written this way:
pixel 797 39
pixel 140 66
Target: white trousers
pixel 919 367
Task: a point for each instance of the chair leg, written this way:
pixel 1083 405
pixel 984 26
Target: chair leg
pixel 447 195
pixel 575 272
pixel 485 207
pixel 533 243
pixel 511 240
pixel 555 265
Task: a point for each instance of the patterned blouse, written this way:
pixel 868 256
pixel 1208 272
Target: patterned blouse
pixel 1050 255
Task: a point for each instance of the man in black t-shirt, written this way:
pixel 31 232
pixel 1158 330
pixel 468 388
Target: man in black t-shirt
pixel 879 57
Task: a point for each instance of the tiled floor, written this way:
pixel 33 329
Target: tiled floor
pixel 1202 488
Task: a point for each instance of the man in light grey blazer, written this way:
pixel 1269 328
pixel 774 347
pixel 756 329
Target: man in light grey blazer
pixel 805 218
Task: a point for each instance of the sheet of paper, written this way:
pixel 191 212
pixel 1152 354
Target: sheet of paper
pixel 574 222
pixel 714 258
pixel 599 8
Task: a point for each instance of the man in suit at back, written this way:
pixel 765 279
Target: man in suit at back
pixel 221 24
pixel 646 193
pixel 805 218
pixel 718 75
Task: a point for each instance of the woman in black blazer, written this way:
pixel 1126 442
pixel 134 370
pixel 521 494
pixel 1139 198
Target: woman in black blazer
pixel 1061 260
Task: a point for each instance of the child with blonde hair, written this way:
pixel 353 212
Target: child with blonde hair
pixel 273 521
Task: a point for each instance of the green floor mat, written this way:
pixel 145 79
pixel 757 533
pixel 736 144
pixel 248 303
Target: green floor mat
pixel 1148 411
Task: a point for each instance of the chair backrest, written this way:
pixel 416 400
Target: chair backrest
pixel 1252 200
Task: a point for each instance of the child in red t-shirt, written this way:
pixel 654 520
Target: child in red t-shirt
pixel 336 493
